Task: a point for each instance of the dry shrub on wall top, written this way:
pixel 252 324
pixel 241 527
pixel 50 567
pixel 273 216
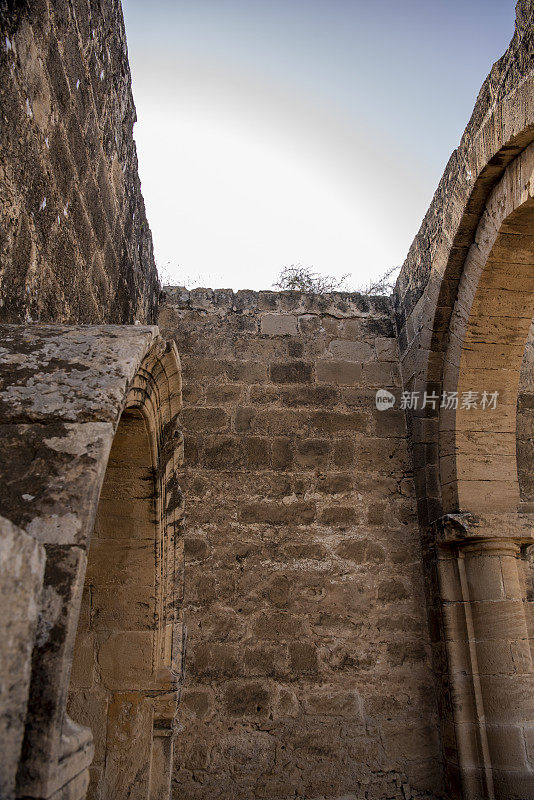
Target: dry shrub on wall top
pixel 302 279
pixel 297 278
pixel 383 285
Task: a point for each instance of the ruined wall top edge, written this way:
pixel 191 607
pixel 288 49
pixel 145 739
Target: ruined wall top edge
pixel 251 302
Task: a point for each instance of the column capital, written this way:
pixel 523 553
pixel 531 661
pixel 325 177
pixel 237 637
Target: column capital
pixel 506 531
pixel 488 547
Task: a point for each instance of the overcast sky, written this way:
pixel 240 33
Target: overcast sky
pixel 276 132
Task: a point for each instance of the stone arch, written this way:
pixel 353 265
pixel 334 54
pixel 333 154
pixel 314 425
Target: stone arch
pixel 485 628
pixel 108 421
pixel 500 129
pixel 123 685
pixel 468 270
pixel 489 328
pixel 472 326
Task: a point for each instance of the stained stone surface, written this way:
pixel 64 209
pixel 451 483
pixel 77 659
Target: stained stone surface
pixel 54 477
pixel 75 245
pixel 308 669
pixel 22 561
pixel 63 390
pixel 68 373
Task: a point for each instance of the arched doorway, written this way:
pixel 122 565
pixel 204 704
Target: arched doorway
pixel 483 530
pixel 99 463
pixel 123 685
pixel 113 688
pixel 486 344
pixel 480 572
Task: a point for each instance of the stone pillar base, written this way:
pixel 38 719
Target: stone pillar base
pixel 490 665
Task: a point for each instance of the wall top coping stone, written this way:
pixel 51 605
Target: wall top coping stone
pixel 247 301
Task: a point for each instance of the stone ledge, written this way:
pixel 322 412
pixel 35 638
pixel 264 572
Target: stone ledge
pixel 68 373
pixel 246 301
pixel 466 528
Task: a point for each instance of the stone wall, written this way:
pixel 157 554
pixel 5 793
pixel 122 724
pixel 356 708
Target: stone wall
pixel 308 668
pixel 75 245
pixel 525 423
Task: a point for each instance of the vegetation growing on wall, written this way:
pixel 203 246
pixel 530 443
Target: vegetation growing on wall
pixel 302 279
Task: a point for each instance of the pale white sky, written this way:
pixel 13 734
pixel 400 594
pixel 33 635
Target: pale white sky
pixel 275 132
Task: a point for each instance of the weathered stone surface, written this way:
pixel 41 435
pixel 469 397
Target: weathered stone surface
pixel 68 373
pixel 53 485
pixel 52 655
pixel 129 742
pixel 279 324
pixel 22 561
pixel 77 751
pixel 291 372
pixel 67 392
pixel 75 247
pixel 344 349
pixel 304 593
pixel 525 423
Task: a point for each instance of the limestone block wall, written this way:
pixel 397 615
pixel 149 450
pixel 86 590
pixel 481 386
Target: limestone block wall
pixel 75 246
pixel 525 423
pixel 308 666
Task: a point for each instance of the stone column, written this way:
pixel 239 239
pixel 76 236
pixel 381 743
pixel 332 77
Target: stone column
pixel 161 765
pixel 489 659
